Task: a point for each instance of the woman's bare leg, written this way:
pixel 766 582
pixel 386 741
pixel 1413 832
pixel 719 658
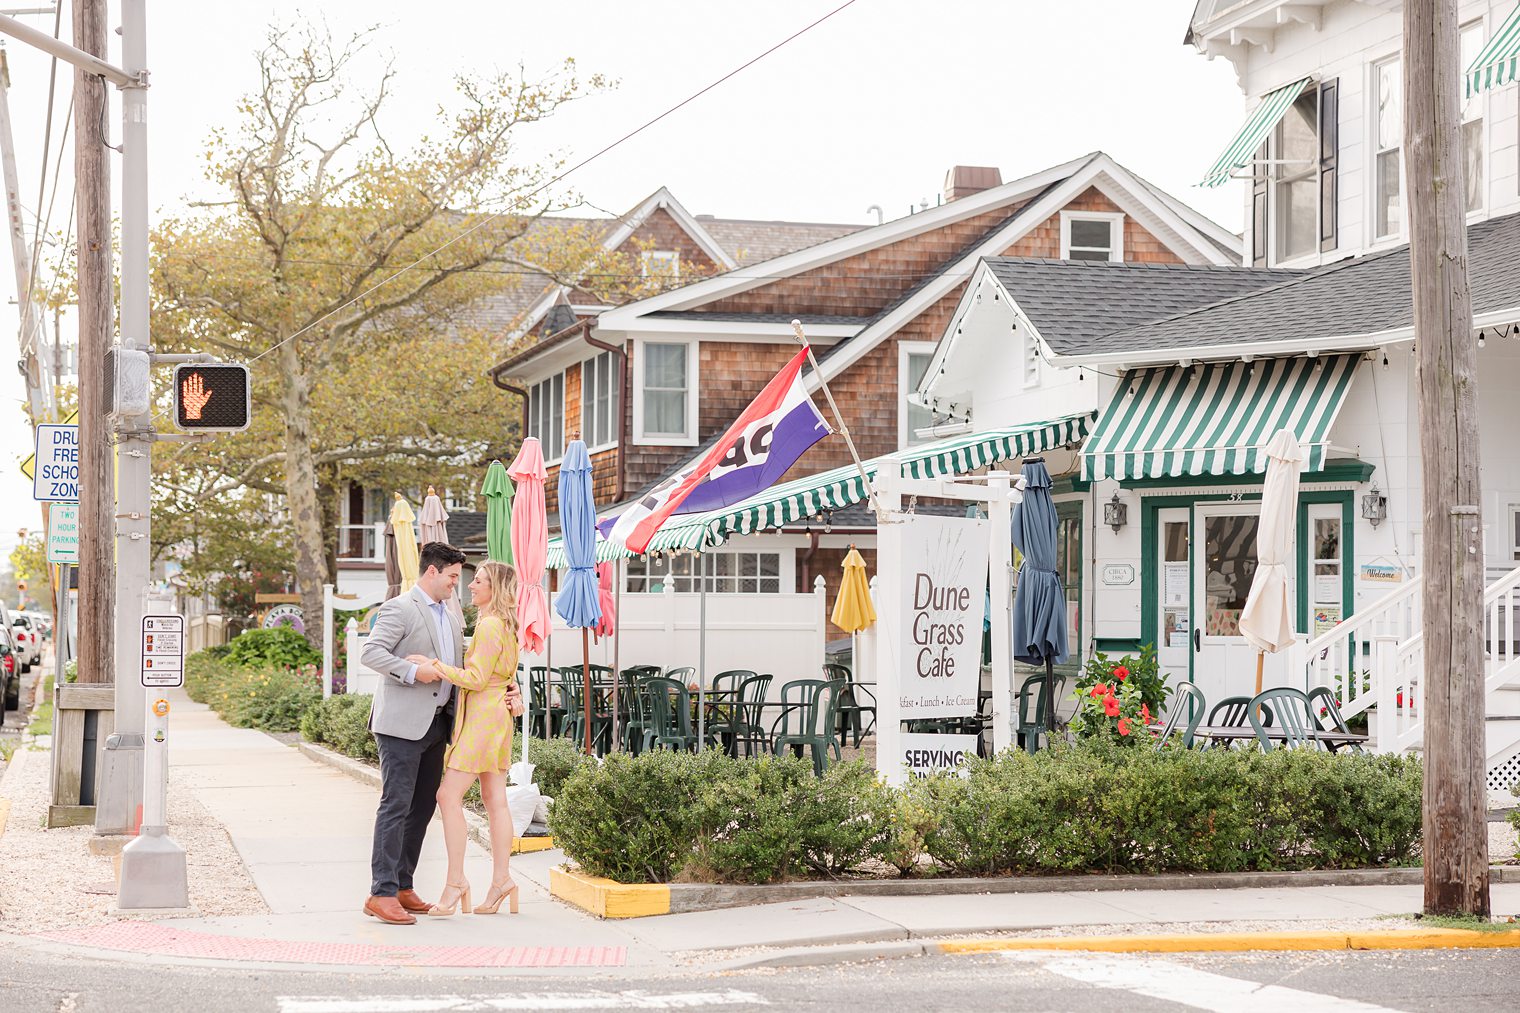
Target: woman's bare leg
pixel 493 789
pixel 451 809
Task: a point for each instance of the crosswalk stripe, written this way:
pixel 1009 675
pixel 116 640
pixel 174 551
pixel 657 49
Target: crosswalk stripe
pixel 1163 979
pixel 629 999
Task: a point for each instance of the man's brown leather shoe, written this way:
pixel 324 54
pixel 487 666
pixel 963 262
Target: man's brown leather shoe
pixel 388 910
pixel 411 902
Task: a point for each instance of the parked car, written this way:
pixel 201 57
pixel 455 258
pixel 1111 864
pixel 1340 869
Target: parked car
pixel 28 639
pixel 10 670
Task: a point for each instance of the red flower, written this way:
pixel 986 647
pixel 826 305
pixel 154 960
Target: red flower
pixel 1111 706
pixel 1145 712
pixel 1124 726
pixel 1101 689
pixel 1121 673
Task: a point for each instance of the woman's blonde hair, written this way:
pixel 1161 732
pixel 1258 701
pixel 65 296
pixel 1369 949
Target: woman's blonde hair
pixel 502 579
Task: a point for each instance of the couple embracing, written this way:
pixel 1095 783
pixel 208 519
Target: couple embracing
pixel 439 725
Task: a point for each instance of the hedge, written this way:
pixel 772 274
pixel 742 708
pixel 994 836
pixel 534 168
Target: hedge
pixel 665 816
pixel 265 697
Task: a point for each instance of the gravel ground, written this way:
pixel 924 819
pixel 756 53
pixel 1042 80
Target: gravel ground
pixel 52 881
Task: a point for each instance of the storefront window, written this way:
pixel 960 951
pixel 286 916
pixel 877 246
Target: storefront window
pixel 1230 561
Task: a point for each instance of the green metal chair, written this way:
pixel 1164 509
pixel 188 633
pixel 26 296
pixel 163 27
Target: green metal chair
pixel 806 721
pixel 1294 713
pixel 1324 708
pixel 1029 729
pixel 852 704
pixel 1188 699
pixel 667 707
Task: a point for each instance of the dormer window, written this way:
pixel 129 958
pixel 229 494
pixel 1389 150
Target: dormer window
pixel 660 263
pixel 1092 235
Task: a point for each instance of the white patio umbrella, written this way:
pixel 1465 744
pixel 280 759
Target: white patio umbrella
pixel 1267 620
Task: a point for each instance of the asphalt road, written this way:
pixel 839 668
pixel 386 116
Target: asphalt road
pixel 1470 981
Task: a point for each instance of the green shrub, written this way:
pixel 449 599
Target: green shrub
pixel 342 723
pixel 281 647
pixel 553 760
pixel 1096 807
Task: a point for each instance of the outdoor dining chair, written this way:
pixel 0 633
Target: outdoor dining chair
pixel 746 727
pixel 1030 728
pixel 547 717
pixel 667 708
pixel 572 690
pixel 1294 714
pixel 854 702
pixel 1187 701
pixel 806 721
pixel 1231 713
pixel 1323 706
pixel 722 696
pixel 685 676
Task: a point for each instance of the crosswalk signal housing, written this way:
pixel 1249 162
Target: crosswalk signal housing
pixel 212 397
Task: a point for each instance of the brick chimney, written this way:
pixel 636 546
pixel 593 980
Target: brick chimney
pixel 963 180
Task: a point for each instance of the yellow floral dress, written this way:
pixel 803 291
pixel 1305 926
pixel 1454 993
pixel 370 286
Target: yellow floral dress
pixel 482 719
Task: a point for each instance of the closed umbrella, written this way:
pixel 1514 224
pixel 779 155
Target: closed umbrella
pixel 497 490
pixel 406 542
pixel 392 564
pixel 530 545
pixel 1267 620
pixel 434 524
pixel 607 626
pixel 1039 605
pixel 579 602
pixel 853 610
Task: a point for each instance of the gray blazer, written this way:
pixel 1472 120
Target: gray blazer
pixel 405 626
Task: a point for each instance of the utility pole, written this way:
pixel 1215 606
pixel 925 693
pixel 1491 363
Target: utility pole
pixel 97 505
pixel 1456 831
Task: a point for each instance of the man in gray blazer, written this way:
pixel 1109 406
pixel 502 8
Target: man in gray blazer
pixel 412 717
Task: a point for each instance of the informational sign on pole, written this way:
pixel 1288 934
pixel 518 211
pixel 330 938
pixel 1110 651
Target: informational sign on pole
pixel 63 533
pixel 55 469
pixel 941 591
pixel 924 754
pixel 163 652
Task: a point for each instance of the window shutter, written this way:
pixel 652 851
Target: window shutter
pixel 1259 209
pixel 1329 147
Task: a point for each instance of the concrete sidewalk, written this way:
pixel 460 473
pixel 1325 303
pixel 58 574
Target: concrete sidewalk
pixel 303 830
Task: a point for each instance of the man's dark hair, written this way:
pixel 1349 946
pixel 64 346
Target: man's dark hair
pixel 438 554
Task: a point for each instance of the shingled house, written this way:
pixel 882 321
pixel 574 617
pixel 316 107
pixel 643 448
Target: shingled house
pixel 683 364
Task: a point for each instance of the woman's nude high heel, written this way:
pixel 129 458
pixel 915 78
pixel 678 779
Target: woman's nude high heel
pixel 461 896
pixel 496 895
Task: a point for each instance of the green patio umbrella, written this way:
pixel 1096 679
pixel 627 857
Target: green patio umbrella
pixel 498 493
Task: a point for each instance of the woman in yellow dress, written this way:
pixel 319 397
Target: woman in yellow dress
pixel 482 742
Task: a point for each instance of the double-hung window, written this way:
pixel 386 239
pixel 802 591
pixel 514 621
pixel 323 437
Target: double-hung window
pixel 1092 236
pixel 665 406
pixel 1472 118
pixel 1388 138
pixel 913 361
pixel 546 415
pixel 600 400
pixel 1295 179
pixel 665 264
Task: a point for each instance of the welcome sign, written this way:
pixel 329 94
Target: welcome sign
pixel 941 592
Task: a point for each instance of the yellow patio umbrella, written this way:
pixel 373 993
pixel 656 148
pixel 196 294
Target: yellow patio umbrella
pixel 406 542
pixel 853 610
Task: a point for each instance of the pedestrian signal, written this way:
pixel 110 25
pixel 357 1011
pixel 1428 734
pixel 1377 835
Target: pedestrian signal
pixel 212 397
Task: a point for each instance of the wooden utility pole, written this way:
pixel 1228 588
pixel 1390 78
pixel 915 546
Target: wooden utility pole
pixel 97 319
pixel 1456 831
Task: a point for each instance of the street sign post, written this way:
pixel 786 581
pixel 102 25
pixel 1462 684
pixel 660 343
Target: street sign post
pixel 63 533
pixel 55 471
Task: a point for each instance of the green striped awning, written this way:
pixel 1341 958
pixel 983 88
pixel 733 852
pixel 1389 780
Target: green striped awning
pixel 1216 418
pixel 1243 148
pixel 801 498
pixel 1499 61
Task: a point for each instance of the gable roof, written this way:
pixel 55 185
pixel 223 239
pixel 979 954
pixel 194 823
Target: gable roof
pixel 1355 303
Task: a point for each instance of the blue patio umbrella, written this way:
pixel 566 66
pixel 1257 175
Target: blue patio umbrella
pixel 579 603
pixel 1039 606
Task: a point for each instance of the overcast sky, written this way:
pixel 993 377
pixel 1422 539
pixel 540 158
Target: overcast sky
pixel 871 107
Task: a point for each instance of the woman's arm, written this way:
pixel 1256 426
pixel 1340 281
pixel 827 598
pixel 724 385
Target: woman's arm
pixel 490 640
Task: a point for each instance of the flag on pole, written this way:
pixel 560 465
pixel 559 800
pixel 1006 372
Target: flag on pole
pixel 764 441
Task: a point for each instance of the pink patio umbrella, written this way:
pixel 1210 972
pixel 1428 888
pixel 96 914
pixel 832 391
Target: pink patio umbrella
pixel 530 545
pixel 607 625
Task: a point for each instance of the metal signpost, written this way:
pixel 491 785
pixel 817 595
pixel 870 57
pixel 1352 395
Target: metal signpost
pixel 153 873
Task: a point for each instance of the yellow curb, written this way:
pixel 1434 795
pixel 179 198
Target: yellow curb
pixel 1234 942
pixel 607 898
pixel 528 845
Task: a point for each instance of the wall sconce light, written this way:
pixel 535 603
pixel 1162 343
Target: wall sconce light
pixel 1116 513
pixel 1374 507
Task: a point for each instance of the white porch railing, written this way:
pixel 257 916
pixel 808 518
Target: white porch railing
pixel 362 541
pixel 1342 657
pixel 1398 668
pixel 331 602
